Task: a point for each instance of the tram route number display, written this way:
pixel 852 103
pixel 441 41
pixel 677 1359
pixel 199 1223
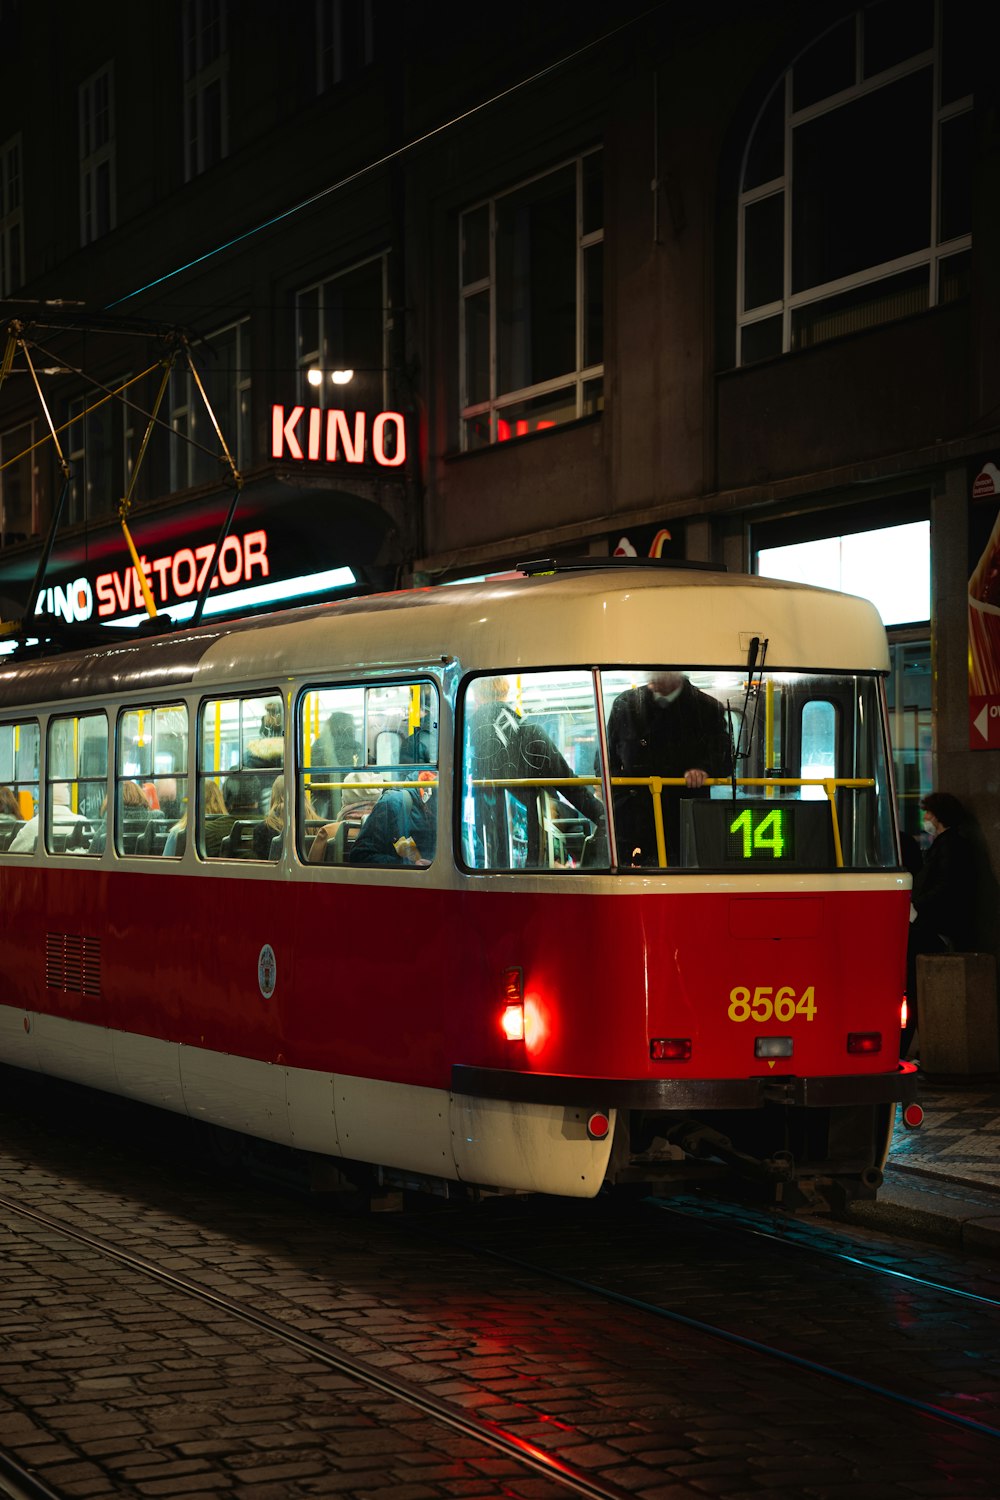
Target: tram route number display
pixel 757 833
pixel 723 834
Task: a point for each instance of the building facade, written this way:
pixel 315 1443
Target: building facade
pixel 709 280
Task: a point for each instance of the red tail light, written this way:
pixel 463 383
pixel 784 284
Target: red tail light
pixel 670 1048
pixel 512 995
pixel 864 1041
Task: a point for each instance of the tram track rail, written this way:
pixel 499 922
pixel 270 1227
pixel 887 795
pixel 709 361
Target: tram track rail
pixel 568 1476
pixel 756 1346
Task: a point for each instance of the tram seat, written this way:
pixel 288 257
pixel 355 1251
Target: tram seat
pixel 8 828
pixel 275 851
pixel 238 842
pixel 153 837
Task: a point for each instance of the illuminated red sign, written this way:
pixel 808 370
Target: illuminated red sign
pixel 334 436
pixel 171 578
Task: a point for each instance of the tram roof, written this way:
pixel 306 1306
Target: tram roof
pixel 595 616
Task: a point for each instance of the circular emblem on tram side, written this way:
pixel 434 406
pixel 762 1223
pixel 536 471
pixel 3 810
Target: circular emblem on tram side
pixel 267 971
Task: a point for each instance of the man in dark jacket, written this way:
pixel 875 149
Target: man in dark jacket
pixel 666 728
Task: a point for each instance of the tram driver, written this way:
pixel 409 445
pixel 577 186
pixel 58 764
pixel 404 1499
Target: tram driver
pixel 667 727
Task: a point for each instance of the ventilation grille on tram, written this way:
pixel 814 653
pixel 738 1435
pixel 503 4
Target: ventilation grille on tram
pixel 73 963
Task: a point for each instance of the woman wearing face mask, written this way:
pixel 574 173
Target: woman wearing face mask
pixel 943 909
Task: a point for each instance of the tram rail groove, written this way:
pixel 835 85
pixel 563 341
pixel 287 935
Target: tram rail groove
pixel 20 1483
pixel 480 1429
pixel 755 1346
pixel 718 1218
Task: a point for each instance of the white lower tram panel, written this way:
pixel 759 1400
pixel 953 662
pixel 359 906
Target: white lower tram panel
pixel 488 1143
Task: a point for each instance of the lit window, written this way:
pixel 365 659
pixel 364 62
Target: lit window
pixel 856 191
pixel 76 784
pixel 368 775
pixel 151 796
pixel 532 305
pixel 18 787
pixel 891 567
pixel 241 783
pixel 342 331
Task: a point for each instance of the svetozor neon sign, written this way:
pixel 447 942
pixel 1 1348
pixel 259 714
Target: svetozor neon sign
pixel 333 436
pixel 175 576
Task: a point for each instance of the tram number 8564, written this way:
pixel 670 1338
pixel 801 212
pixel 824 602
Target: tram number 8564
pixel 766 1003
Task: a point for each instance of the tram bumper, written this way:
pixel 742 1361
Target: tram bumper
pixel 671 1095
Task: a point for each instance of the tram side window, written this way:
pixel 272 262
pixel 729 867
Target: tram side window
pixel 19 744
pixel 369 752
pixel 531 774
pixel 151 796
pixel 76 784
pixel 241 780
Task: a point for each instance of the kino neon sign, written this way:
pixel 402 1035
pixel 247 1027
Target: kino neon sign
pixel 335 437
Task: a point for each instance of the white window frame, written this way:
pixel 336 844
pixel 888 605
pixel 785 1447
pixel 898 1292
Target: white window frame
pixel 936 250
pixel 202 70
pixel 97 152
pixel 576 380
pixel 11 216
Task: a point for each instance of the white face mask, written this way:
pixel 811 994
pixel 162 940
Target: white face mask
pixel 930 827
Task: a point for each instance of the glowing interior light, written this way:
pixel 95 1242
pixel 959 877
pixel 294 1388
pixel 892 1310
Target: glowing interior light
pixel 341 377
pixel 513 1023
pixel 315 377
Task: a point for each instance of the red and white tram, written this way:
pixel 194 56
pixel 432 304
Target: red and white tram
pixel 518 1005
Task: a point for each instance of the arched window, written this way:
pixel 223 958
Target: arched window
pixel 855 200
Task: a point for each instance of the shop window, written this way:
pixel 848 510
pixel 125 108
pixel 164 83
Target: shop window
pixel 223 364
pixel 857 182
pixel 97 155
pixel 206 84
pixel 76 784
pixel 151 796
pixel 18 787
pixel 342 330
pixel 909 693
pixel 11 217
pixel 890 566
pixel 359 747
pixel 532 305
pixel 241 783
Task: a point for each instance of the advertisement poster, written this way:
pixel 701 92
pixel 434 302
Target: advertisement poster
pixel 984 608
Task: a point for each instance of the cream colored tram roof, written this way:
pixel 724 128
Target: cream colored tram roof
pixel 640 616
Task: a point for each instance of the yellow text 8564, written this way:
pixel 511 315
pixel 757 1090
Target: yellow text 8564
pixel 767 1003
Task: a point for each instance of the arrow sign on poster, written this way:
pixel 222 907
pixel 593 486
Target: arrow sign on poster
pixel 984 723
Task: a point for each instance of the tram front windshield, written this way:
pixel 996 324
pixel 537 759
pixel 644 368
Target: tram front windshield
pixel 675 769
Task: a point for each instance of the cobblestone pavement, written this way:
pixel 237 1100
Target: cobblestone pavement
pixel 111 1385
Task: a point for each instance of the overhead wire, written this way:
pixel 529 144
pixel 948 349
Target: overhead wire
pixel 399 154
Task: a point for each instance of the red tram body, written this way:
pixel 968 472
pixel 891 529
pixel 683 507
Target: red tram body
pixel 737 1004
